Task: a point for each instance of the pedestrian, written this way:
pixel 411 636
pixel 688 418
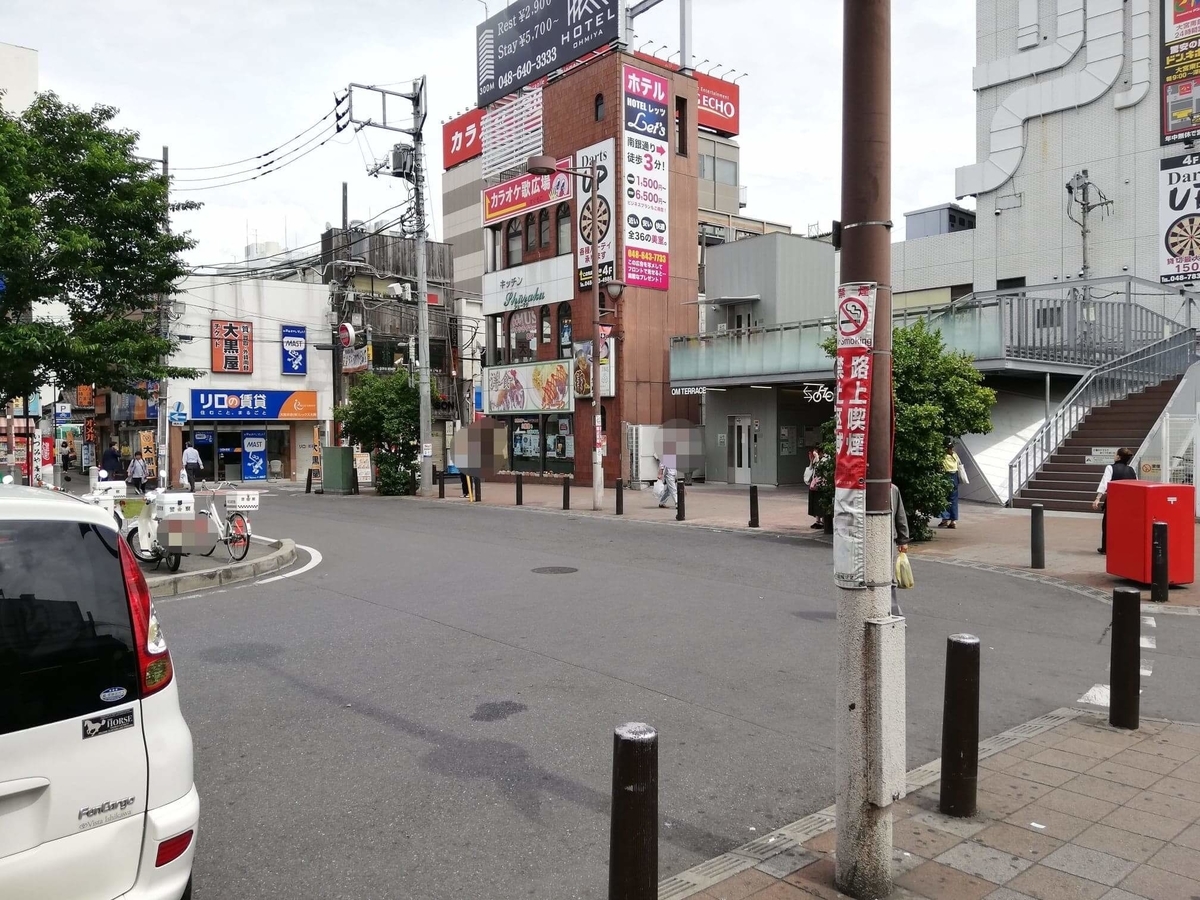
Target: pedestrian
pixel 668 475
pixel 900 538
pixel 110 460
pixel 452 469
pixel 137 473
pixel 192 464
pixel 814 481
pixel 1118 470
pixel 956 475
pixel 66 456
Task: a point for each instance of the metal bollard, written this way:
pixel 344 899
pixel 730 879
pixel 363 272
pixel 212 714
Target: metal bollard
pixel 566 493
pixel 1125 664
pixel 1160 588
pixel 633 835
pixel 620 497
pixel 754 506
pixel 308 483
pixel 1037 536
pixel 960 727
pixel 479 489
pixel 680 508
pixel 441 485
pixel 520 490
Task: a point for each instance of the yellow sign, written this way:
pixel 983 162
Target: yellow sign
pixel 149 455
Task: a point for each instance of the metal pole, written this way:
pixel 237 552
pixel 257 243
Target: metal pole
pixel 633 835
pixel 960 727
pixel 479 489
pixel 442 485
pixel 680 504
pixel 566 493
pixel 1125 664
pixel 1047 396
pixel 1037 536
pixel 338 309
pixel 754 506
pixel 864 840
pixel 597 347
pixel 520 490
pixel 422 285
pixel 1160 588
pixel 164 324
pixel 620 497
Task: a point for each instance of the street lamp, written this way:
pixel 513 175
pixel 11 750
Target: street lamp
pixel 548 165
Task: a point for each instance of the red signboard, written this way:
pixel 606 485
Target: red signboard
pixel 527 193
pixel 232 347
pixel 855 338
pixel 720 101
pixel 462 138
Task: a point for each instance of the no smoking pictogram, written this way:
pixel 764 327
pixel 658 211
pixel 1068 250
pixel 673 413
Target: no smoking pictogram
pixel 853 317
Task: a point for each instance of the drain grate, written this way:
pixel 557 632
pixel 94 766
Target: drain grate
pixel 554 570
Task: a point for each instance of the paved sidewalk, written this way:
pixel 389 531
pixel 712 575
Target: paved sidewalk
pixel 1069 809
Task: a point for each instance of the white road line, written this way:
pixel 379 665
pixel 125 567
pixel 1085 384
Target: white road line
pixel 1097 696
pixel 1147 668
pixel 314 561
pixel 1149 643
pixel 1149 621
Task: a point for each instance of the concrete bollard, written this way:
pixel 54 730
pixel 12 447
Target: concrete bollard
pixel 1160 588
pixel 1037 536
pixel 633 834
pixel 520 490
pixel 566 493
pixel 680 504
pixel 960 727
pixel 620 497
pixel 754 506
pixel 1125 663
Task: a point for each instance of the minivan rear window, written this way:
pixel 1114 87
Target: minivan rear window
pixel 66 636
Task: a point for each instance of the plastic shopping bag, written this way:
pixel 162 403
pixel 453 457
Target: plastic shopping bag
pixel 904 575
pixel 183 476
pixel 660 491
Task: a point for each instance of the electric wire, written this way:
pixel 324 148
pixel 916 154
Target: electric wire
pixel 269 171
pixel 247 159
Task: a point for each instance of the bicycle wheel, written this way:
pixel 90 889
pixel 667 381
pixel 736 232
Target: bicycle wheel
pixel 239 537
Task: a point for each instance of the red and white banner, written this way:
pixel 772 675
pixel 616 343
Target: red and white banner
pixel 720 101
pixel 462 138
pixel 527 193
pixel 853 373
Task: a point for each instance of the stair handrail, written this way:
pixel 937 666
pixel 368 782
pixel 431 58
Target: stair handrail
pixel 1115 380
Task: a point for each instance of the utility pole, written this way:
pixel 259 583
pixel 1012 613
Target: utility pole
pixel 339 305
pixel 418 101
pixel 1079 190
pixel 865 732
pixel 164 331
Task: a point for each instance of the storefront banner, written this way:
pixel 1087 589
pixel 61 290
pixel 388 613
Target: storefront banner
pixel 254 456
pixel 530 388
pixel 295 350
pixel 207 404
pixel 583 368
pixel 204 438
pixel 462 138
pixel 146 443
pixel 527 193
pixel 853 374
pixel 355 359
pixel 547 281
pixel 1179 219
pixel 647 178
pixel 35 463
pixel 604 155
pixel 1180 70
pixel 232 346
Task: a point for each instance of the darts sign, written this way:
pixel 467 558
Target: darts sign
pixel 1179 219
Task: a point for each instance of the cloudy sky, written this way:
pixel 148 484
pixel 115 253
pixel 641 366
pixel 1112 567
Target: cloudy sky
pixel 222 80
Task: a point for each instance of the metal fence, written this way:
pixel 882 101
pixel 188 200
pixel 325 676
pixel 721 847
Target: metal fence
pixel 1143 368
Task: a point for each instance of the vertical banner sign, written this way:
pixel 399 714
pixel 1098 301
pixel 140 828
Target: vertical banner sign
pixel 603 155
pixel 1179 219
pixel 315 465
pixel 295 350
pixel 149 453
pixel 254 456
pixel 1180 55
pixel 37 448
pixel 855 340
pixel 232 347
pixel 647 178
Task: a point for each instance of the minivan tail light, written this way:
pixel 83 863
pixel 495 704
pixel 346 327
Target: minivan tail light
pixel 154 659
pixel 173 848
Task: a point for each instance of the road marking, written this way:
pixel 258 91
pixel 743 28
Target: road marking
pixel 1147 668
pixel 1149 643
pixel 314 561
pixel 1097 696
pixel 1149 620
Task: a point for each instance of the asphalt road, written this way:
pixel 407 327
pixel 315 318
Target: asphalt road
pixel 422 715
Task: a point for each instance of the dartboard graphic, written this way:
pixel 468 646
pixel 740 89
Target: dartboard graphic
pixel 601 220
pixel 1183 237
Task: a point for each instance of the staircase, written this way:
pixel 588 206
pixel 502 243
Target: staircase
pixel 1066 481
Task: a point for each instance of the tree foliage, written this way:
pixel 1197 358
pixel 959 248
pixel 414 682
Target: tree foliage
pixel 938 395
pixel 384 416
pixel 83 252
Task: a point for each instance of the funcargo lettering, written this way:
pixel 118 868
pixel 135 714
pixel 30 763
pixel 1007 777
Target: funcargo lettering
pixel 105 807
pixel 520 300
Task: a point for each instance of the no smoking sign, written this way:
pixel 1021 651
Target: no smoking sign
pixel 855 315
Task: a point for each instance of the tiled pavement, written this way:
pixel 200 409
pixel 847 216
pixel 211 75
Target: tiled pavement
pixel 1069 809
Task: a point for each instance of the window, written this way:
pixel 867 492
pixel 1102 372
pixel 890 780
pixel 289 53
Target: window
pixel 564 228
pixel 544 228
pixel 531 235
pixel 496 354
pixel 681 126
pixel 560 444
pixel 564 330
pixel 526 449
pixel 514 243
pixel 547 331
pixel 708 167
pixel 493 246
pixel 522 336
pixel 1050 317
pixel 727 171
pixel 63 642
pixel 599 107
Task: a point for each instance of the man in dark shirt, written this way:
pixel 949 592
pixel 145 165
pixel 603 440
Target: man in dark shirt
pixel 110 461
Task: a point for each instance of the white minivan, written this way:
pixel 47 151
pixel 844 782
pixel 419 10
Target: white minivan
pixel 97 799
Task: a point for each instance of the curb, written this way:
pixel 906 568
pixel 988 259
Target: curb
pixel 282 555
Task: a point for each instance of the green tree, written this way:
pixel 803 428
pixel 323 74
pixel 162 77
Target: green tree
pixel 384 417
pixel 939 394
pixel 81 227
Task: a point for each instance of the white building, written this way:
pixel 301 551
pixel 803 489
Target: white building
pixel 18 77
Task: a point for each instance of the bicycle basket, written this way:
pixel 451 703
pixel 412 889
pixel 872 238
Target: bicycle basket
pixel 241 501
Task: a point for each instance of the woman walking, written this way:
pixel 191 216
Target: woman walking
pixel 137 473
pixel 955 474
pixel 813 480
pixel 1118 470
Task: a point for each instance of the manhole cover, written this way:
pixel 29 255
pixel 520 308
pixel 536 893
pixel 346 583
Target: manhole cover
pixel 554 570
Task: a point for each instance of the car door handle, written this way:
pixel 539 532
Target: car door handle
pixel 22 786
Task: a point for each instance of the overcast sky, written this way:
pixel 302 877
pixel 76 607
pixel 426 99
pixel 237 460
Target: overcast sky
pixel 221 80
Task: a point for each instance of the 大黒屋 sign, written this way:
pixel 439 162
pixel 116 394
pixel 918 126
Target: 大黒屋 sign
pixel 232 347
pixel 647 177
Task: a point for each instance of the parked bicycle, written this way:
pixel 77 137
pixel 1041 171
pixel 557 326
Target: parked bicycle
pixel 234 529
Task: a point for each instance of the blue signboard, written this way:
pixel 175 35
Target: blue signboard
pixel 254 456
pixel 203 438
pixel 295 350
pixel 209 404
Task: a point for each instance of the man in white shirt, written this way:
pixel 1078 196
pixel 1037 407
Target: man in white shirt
pixel 192 463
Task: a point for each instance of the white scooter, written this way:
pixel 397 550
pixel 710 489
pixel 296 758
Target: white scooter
pixel 109 495
pixel 184 533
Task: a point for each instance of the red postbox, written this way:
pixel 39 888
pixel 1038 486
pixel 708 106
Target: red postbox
pixel 1133 508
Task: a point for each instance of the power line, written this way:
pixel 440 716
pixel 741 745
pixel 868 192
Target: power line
pixel 238 162
pixel 269 171
pixel 270 162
